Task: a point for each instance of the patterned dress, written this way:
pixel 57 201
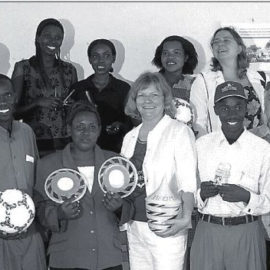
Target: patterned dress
pixel 49 124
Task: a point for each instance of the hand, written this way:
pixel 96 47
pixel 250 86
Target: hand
pixel 208 189
pixel 112 201
pixel 114 128
pixel 48 102
pixel 69 209
pixel 234 193
pixel 177 225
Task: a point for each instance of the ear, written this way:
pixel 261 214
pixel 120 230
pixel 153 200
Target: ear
pixel 216 110
pixel 114 57
pixel 186 58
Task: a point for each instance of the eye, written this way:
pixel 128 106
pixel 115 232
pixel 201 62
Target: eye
pixel 164 53
pixel 107 56
pixel 238 107
pixel 224 109
pixel 178 53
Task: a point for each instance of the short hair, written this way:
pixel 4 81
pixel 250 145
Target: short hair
pixel 189 50
pixel 242 59
pixel 81 106
pixel 145 80
pixel 99 42
pixel 6 78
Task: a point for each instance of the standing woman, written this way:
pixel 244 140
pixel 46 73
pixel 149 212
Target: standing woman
pixel 107 93
pixel 230 63
pixel 42 83
pixel 85 235
pixel 176 58
pixel 162 149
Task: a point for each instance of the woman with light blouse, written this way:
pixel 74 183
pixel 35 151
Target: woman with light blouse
pixel 160 148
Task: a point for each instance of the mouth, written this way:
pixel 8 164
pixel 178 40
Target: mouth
pixel 170 63
pixel 52 48
pixel 4 111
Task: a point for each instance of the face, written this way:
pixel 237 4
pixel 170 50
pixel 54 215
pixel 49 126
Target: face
pixel 50 39
pixel 231 112
pixel 101 59
pixel 7 101
pixel 85 131
pixel 173 56
pixel 224 46
pixel 150 103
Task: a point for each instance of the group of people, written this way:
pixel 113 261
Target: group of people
pixel 217 164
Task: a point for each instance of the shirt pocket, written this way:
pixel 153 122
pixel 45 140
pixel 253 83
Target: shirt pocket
pixel 249 181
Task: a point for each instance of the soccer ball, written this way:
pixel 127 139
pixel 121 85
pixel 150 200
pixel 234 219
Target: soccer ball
pixel 17 211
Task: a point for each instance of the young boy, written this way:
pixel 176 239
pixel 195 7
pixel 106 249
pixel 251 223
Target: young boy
pixel 17 164
pixel 234 169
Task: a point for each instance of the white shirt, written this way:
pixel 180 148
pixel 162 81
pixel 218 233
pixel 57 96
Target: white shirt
pixel 170 155
pixel 88 172
pixel 249 158
pixel 204 105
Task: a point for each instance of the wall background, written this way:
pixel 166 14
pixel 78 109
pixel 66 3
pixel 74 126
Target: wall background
pixel 136 28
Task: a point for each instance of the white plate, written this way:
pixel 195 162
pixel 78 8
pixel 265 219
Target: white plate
pixel 118 174
pixel 65 183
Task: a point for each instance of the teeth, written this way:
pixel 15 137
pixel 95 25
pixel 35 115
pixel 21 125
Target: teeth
pixel 51 47
pixel 4 111
pixel 101 67
pixel 232 123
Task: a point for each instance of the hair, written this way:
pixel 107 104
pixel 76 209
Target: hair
pixel 36 60
pixel 102 41
pixel 242 59
pixel 145 80
pixel 81 106
pixel 189 50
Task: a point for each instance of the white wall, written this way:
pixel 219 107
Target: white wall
pixel 135 27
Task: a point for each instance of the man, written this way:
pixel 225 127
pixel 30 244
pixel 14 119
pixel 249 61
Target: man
pixel 17 164
pixel 234 169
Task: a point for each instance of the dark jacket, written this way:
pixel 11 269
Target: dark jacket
pixel 90 241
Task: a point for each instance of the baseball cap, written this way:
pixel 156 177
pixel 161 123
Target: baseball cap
pixel 229 89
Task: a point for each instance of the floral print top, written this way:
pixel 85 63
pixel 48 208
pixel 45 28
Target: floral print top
pixel 253 115
pixel 47 123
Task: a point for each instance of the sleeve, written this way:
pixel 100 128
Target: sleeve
pixel 46 210
pixel 186 160
pixel 259 203
pixel 199 101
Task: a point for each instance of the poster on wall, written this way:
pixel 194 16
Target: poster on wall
pixel 257 40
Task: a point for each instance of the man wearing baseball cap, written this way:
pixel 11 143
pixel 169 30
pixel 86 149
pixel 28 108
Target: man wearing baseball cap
pixel 234 170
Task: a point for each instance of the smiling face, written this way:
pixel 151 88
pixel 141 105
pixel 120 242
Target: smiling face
pixel 231 112
pixel 173 56
pixel 50 39
pixel 7 101
pixel 224 46
pixel 85 131
pixel 150 103
pixel 101 59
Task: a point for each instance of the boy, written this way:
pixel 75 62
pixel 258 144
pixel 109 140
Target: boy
pixel 234 169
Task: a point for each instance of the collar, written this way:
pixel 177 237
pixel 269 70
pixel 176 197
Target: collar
pixel 222 139
pixel 12 131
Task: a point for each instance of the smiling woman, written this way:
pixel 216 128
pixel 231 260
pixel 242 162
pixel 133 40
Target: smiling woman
pixel 41 84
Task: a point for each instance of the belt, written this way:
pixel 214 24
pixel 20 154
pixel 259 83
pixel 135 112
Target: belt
pixel 228 220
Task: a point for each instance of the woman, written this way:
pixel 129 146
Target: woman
pixel 176 58
pixel 230 63
pixel 85 234
pixel 42 83
pixel 161 148
pixel 107 93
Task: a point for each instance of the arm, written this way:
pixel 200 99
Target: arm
pixel 199 101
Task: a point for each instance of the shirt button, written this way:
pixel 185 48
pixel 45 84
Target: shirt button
pixel 91 212
pixel 93 249
pixel 92 231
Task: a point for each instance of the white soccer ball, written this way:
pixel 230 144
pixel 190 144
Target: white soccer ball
pixel 17 211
